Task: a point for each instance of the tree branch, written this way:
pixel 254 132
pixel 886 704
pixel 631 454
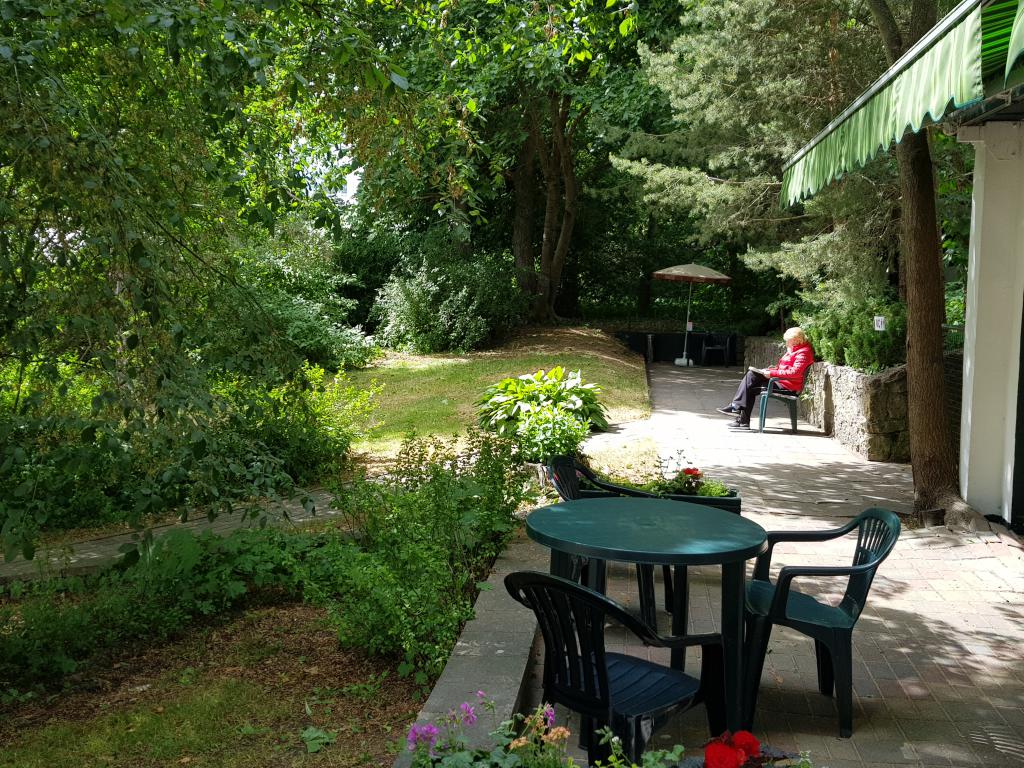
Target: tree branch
pixel 890 32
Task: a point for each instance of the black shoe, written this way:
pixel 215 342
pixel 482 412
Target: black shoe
pixel 729 410
pixel 737 424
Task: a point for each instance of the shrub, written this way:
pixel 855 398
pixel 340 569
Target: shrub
pixel 61 624
pixel 302 293
pixel 549 431
pixel 503 405
pixel 69 458
pixel 446 301
pixel 431 530
pixel 403 588
pixel 844 334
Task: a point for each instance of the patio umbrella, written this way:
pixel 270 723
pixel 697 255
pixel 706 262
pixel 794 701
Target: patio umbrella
pixel 690 273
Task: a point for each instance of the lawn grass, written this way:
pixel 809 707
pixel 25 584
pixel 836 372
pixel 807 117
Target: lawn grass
pixel 238 695
pixel 435 394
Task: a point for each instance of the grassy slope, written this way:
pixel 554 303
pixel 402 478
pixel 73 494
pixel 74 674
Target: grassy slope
pixel 434 394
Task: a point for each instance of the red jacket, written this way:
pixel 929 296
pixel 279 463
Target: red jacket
pixel 792 368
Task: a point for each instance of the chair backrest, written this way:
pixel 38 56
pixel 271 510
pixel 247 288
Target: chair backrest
pixel 571 620
pixel 877 532
pixel 562 474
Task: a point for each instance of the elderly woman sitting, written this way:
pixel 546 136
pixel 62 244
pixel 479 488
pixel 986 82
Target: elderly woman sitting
pixel 789 371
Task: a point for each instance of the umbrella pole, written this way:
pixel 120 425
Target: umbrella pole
pixel 686 337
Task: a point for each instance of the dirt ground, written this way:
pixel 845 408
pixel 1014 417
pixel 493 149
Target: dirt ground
pixel 285 652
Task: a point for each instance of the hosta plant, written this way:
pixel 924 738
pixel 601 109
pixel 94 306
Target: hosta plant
pixel 504 405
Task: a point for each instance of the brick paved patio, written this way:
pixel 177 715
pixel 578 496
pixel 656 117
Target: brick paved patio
pixel 939 651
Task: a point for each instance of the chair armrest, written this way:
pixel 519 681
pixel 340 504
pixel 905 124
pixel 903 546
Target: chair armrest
pixel 774 537
pixel 604 485
pixel 785 581
pixel 617 613
pixel 622 490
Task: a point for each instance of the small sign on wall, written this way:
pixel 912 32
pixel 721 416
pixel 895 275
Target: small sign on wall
pixel 689 325
pixel 879 323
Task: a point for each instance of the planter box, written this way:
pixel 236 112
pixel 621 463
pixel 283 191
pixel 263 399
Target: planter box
pixel 730 503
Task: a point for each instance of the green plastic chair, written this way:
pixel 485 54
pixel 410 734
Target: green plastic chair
pixel 565 473
pixel 631 695
pixel 776 391
pixel 831 627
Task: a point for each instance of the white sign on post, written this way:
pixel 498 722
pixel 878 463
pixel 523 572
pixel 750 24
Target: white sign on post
pixel 879 323
pixel 689 326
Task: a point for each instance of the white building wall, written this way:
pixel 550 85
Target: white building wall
pixel 992 333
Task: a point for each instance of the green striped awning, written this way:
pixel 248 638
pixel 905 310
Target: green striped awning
pixel 957 63
pixel 1016 44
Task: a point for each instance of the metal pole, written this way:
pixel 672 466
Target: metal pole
pixel 686 337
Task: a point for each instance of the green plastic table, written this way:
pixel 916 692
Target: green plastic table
pixel 662 532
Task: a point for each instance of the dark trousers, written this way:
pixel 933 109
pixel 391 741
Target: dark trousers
pixel 752 385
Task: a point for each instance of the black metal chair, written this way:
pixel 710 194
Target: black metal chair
pixel 831 627
pixel 565 472
pixel 631 695
pixel 776 391
pixel 717 343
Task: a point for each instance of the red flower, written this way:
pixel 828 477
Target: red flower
pixel 692 472
pixel 746 741
pixel 718 754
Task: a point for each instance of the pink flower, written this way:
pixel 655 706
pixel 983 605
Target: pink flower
pixel 425 734
pixel 468 713
pixel 549 715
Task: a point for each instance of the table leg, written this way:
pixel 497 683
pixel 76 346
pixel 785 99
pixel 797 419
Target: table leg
pixel 680 611
pixel 561 564
pixel 732 642
pixel 596 575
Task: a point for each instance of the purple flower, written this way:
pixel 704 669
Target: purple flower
pixel 421 734
pixel 549 715
pixel 468 713
pixel 481 695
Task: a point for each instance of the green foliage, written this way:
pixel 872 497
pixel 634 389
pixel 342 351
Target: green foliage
pixel 503 405
pixel 308 423
pixel 294 278
pixel 549 431
pixel 844 334
pixel 316 739
pixel 956 303
pixel 447 302
pixel 61 624
pixel 689 481
pixel 546 413
pixel 71 459
pixel 403 589
pixel 428 532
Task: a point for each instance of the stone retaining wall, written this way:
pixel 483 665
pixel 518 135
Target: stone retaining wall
pixel 865 412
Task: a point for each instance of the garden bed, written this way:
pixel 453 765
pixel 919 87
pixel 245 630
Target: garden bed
pixel 230 694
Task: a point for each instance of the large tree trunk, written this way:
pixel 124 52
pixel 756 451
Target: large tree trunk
pixel 932 458
pixel 931 446
pixel 562 137
pixel 524 188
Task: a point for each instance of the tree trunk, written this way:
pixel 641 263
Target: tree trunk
pixel 547 155
pixel 524 187
pixel 562 142
pixel 931 447
pixel 932 458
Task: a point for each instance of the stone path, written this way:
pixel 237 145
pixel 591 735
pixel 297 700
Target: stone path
pixel 939 650
pixel 93 555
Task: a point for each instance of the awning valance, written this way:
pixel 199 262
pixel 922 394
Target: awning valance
pixel 1016 41
pixel 944 70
